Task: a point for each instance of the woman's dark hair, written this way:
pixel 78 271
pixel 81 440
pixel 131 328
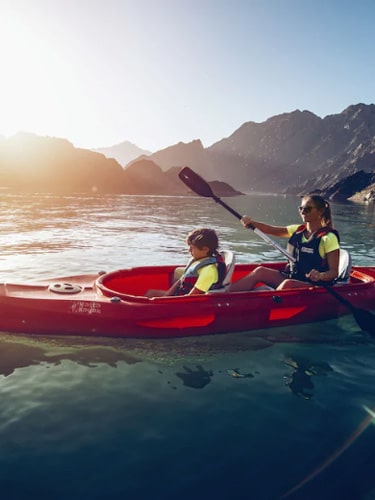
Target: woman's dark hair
pixel 203 237
pixel 321 204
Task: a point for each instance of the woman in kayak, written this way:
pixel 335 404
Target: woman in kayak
pixel 205 270
pixel 314 244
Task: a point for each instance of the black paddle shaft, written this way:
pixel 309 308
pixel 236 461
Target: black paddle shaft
pixel 365 319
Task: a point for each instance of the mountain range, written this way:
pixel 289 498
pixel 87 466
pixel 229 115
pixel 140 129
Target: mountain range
pixel 294 153
pixel 291 153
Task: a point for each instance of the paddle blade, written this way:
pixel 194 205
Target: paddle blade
pixel 365 320
pixel 195 182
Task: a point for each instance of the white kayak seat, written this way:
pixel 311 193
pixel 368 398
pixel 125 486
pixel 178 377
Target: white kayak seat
pixel 262 288
pixel 229 261
pixel 177 274
pixel 345 266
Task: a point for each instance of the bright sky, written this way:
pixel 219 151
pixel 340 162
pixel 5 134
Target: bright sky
pixel 156 72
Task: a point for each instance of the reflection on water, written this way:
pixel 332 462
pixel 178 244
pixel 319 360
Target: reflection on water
pixel 20 353
pixel 196 377
pixel 300 380
pixel 236 373
pixel 17 351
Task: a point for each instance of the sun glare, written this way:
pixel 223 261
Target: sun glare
pixel 37 87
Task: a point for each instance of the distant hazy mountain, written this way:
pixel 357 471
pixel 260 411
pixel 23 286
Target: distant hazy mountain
pixel 33 163
pixel 123 153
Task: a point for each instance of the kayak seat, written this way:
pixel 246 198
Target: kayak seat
pixel 345 266
pixel 230 262
pixel 262 287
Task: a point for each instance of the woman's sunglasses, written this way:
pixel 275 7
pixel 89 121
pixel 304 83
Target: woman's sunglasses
pixel 305 210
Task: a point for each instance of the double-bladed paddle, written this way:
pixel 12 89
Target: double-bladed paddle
pixel 365 319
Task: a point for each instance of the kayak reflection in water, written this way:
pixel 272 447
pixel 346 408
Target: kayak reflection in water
pixel 314 244
pixel 205 270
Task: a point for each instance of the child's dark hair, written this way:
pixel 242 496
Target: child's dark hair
pixel 321 204
pixel 204 237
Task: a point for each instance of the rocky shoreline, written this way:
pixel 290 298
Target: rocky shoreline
pixel 365 196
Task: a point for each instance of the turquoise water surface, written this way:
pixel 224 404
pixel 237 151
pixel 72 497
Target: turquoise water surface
pixel 282 413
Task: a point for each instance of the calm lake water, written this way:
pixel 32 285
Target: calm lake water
pixel 282 413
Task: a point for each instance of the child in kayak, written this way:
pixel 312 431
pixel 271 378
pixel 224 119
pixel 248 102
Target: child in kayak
pixel 206 269
pixel 314 244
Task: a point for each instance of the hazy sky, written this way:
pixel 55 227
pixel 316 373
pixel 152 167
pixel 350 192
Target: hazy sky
pixel 156 72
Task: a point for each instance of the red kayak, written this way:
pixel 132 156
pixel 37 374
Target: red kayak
pixel 113 304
